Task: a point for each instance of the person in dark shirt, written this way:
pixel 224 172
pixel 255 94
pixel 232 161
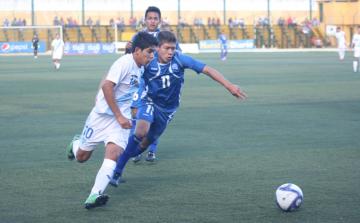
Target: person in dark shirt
pixel 35 43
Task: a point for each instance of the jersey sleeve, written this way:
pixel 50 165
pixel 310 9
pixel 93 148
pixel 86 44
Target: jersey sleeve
pixel 191 63
pixel 118 71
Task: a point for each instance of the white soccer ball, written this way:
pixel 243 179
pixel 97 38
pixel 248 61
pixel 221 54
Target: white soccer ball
pixel 289 197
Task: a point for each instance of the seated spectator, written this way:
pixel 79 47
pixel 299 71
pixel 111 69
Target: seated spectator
pixel 89 22
pixel 241 23
pixel 6 22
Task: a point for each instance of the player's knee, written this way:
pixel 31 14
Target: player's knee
pixel 82 156
pixel 140 134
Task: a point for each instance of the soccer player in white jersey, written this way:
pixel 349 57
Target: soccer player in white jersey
pixel 355 44
pixel 109 122
pixel 341 42
pixel 57 46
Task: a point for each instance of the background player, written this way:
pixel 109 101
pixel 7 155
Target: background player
pixel 223 46
pixel 109 121
pixel 35 44
pixel 164 78
pixel 341 42
pixel 355 44
pixel 57 46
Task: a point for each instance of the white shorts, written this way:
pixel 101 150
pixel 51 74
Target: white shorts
pixel 102 128
pixel 57 55
pixel 356 52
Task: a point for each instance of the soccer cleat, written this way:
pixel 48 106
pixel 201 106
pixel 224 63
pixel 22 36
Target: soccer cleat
pixel 96 200
pixel 115 180
pixel 137 158
pixel 150 157
pixel 69 149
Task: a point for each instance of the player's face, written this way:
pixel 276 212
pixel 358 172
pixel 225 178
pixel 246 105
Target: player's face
pixel 143 57
pixel 166 52
pixel 152 21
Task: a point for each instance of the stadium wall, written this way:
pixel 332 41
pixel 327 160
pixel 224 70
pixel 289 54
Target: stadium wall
pixel 104 10
pixel 341 13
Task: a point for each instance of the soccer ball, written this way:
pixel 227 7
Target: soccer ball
pixel 289 197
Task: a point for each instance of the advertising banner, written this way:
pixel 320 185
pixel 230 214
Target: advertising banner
pixel 232 44
pixel 88 48
pixel 20 47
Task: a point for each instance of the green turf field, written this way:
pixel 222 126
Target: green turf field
pixel 220 160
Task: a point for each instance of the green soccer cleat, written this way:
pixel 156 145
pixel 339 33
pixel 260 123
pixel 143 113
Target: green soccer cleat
pixel 96 200
pixel 69 149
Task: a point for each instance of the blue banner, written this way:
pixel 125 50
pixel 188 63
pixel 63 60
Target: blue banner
pixel 232 44
pixel 20 47
pixel 88 48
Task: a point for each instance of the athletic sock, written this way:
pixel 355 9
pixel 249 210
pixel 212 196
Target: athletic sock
pixel 75 147
pixel 102 179
pixel 153 147
pixel 355 66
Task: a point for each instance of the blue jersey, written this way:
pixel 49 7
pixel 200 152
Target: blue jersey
pixel 164 81
pixel 223 39
pixel 138 95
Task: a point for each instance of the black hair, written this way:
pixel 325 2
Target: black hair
pixel 166 37
pixel 143 40
pixel 153 9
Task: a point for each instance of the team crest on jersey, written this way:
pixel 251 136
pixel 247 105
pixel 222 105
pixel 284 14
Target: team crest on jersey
pixel 175 67
pixel 134 80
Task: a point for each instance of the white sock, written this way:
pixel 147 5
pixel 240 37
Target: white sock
pixel 102 179
pixel 341 55
pixel 75 148
pixel 58 65
pixel 355 66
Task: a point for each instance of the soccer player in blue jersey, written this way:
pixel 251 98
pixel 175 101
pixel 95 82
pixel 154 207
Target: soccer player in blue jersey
pixel 152 22
pixel 223 46
pixel 163 78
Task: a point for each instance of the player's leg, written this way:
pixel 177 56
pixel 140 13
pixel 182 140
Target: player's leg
pixel 79 152
pixel 222 52
pixel 133 149
pixel 341 53
pixel 133 122
pixel 225 52
pixel 115 139
pixel 35 52
pixel 97 197
pixel 356 60
pixel 151 156
pixel 81 146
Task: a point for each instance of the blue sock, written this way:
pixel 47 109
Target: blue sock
pixel 153 147
pixel 133 123
pixel 132 149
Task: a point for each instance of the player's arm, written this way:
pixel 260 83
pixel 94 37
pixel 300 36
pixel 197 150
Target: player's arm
pixel 218 77
pixel 108 89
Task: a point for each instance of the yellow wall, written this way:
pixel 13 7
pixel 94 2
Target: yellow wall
pixel 46 17
pixel 342 13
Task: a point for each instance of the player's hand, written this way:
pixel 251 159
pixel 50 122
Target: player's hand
pixel 128 45
pixel 237 92
pixel 124 122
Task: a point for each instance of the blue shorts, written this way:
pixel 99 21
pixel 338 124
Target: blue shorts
pixel 158 118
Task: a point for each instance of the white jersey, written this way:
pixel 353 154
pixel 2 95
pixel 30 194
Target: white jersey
pixel 356 41
pixel 58 48
pixel 126 75
pixel 340 36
